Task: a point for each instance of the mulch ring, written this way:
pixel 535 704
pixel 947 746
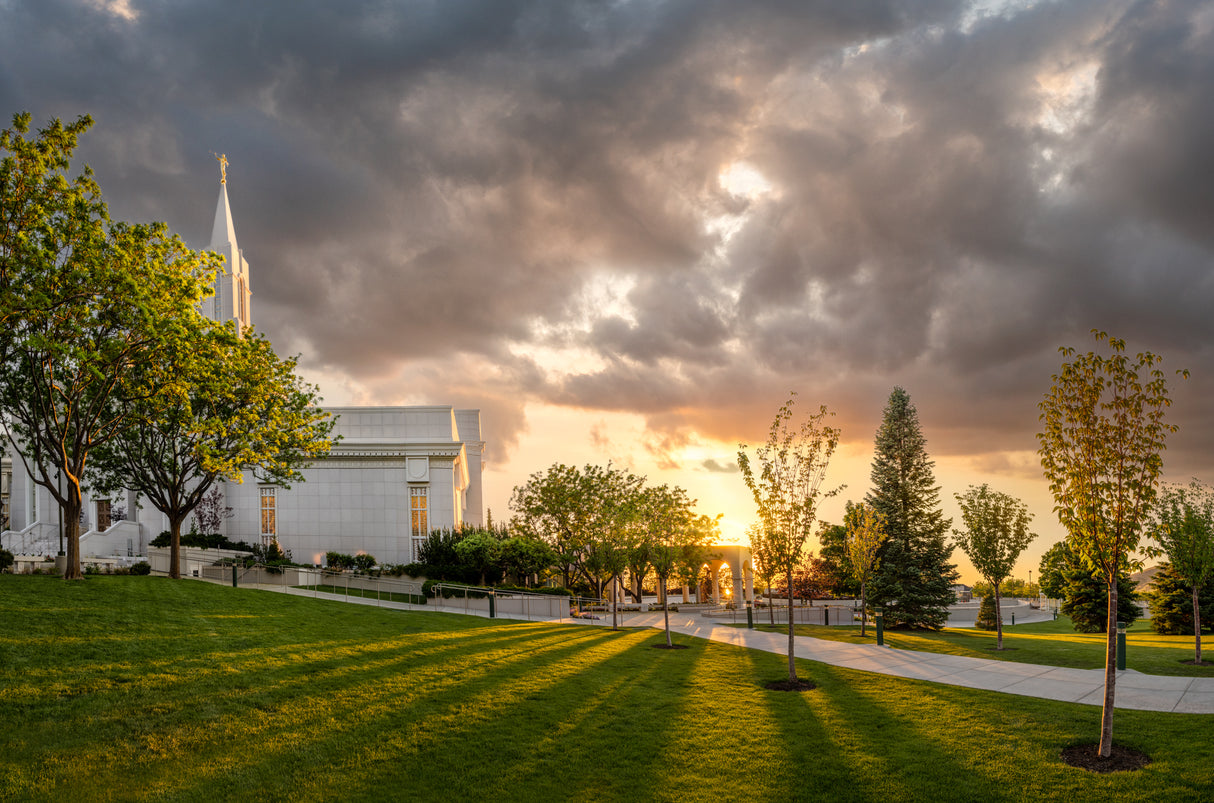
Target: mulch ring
pixel 791 685
pixel 1121 759
pixel 665 646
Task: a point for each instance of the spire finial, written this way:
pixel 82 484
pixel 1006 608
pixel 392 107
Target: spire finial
pixel 222 158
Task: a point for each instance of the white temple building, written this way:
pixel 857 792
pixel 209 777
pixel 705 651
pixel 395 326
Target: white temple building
pixel 396 473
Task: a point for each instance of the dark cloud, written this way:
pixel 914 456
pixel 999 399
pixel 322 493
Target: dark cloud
pixel 430 193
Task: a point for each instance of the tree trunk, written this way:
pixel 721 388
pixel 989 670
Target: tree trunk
pixel 1110 673
pixel 863 607
pixel 175 546
pixel 71 534
pixel 792 663
pixel 771 609
pixel 998 619
pixel 615 594
pixel 666 612
pixel 1197 621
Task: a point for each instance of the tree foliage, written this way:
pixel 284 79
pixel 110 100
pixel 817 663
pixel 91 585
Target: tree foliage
pixel 1183 529
pixel 786 488
pixel 913 582
pixel 85 302
pixel 996 532
pixel 834 564
pixel 1103 430
pixel 1171 599
pixel 227 404
pixel 988 614
pixel 865 529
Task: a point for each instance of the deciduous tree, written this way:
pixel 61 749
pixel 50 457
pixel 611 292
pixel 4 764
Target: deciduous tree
pixel 764 562
pixel 865 530
pixel 996 532
pixel 787 487
pixel 1183 529
pixel 227 403
pixel 84 303
pixel 1103 430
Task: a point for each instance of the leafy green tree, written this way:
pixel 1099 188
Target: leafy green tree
pixel 85 303
pixel 583 514
pixel 913 582
pixel 1055 563
pixel 791 468
pixel 764 561
pixel 672 530
pixel 227 404
pixel 1183 529
pixel 1102 433
pixel 996 532
pixel 989 617
pixel 524 558
pixel 865 529
pixel 481 553
pixel 1171 598
pixel 834 566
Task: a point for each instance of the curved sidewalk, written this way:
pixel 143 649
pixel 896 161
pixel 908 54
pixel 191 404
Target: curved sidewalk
pixel 1134 689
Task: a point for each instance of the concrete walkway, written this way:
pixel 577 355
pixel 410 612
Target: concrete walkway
pixel 1134 689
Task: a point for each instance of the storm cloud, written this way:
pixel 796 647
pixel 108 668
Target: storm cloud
pixel 679 209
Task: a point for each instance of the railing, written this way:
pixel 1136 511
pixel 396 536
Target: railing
pixel 36 539
pixel 492 602
pixel 820 614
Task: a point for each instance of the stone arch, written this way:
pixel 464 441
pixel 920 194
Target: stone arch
pixel 737 558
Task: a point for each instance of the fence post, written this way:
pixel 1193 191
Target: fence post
pixel 1121 626
pixel 233 574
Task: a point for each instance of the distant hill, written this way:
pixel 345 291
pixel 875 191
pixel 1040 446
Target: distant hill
pixel 1144 578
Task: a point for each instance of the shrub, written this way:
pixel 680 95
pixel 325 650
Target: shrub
pixel 986 614
pixel 142 568
pixel 403 569
pixel 6 560
pixel 339 560
pixel 364 563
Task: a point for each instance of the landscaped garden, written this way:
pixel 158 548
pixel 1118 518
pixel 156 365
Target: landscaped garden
pixel 1051 643
pixel 145 688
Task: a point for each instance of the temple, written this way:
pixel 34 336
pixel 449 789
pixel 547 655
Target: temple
pixel 396 474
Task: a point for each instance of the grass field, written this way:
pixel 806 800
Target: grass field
pixel 142 688
pixel 1052 643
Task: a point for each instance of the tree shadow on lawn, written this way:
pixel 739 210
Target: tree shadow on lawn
pixel 294 715
pixel 464 732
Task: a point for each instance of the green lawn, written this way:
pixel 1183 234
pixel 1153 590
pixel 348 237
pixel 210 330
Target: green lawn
pixel 138 688
pixel 1052 643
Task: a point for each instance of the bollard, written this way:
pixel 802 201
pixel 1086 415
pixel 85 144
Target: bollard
pixel 492 605
pixel 750 616
pixel 1121 645
pixel 1013 618
pixel 233 575
pixel 879 620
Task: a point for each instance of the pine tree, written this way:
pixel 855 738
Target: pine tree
pixel 987 618
pixel 912 584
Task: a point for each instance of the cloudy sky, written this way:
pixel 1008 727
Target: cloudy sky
pixel 626 230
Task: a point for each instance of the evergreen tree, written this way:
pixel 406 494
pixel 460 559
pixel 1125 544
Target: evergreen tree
pixel 988 619
pixel 912 583
pixel 1086 600
pixel 1171 598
